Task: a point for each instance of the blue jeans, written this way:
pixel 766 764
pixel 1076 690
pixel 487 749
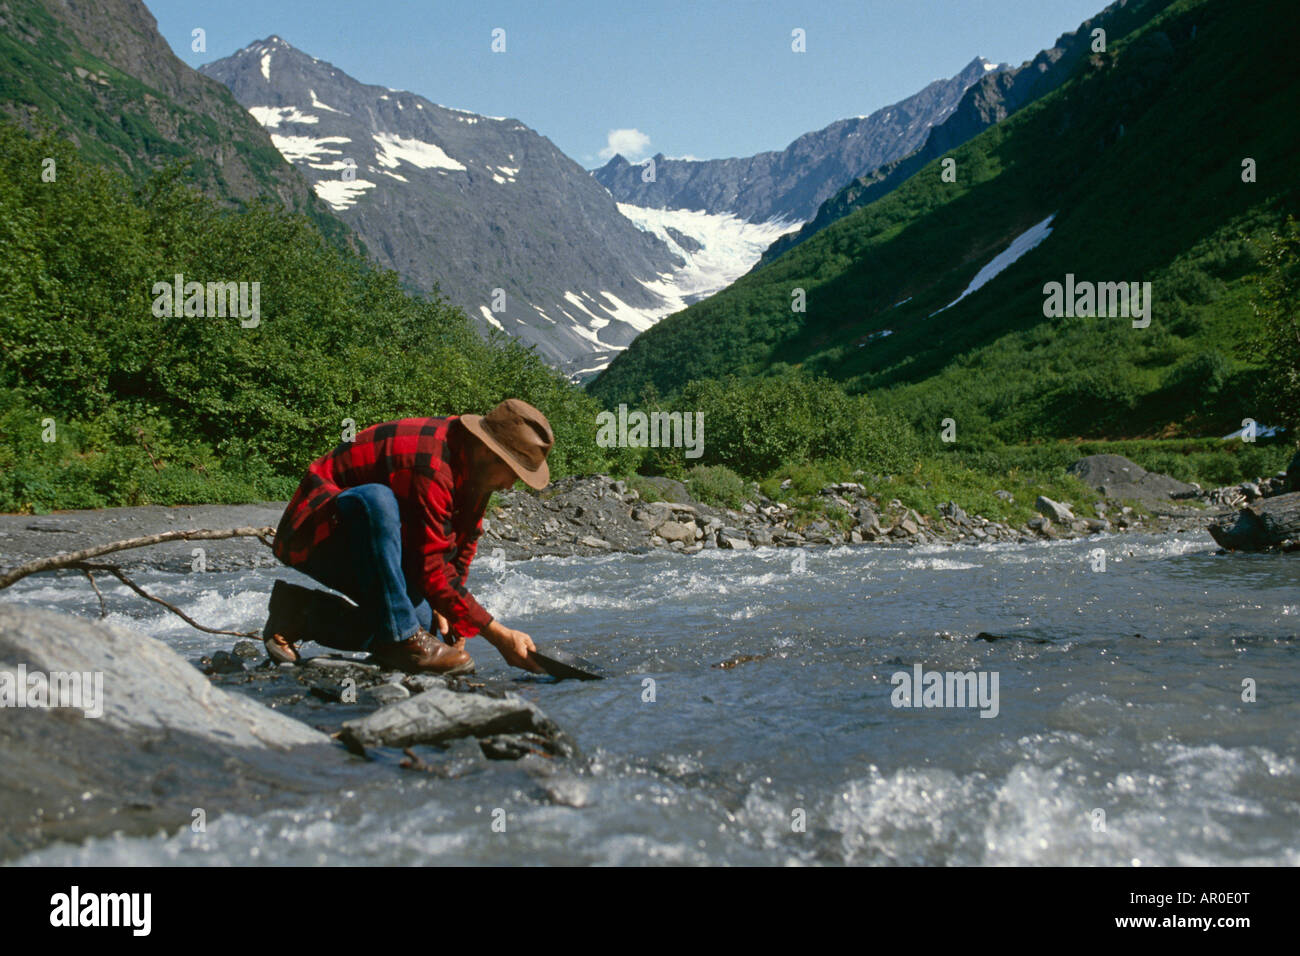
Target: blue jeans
pixel 363 559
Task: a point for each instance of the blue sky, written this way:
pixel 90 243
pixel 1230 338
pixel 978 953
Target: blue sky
pixel 708 79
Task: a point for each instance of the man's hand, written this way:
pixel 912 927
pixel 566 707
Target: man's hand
pixel 514 646
pixel 444 629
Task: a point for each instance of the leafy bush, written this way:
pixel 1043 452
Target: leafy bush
pixel 716 485
pixel 1278 307
pixel 189 408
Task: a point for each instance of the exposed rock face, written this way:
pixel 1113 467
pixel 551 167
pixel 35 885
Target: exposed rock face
pixel 1116 477
pixel 508 227
pixel 1270 523
pixel 167 741
pixel 990 100
pixel 790 184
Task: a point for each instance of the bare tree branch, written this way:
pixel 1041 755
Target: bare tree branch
pixel 103 611
pixel 73 558
pixel 157 600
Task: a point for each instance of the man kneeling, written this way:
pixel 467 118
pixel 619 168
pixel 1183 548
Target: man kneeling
pixel 392 520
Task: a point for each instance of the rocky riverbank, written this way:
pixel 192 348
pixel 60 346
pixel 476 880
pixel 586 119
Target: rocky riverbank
pixel 107 730
pixel 597 514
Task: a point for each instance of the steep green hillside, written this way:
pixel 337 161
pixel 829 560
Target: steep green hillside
pixel 100 75
pixel 1139 157
pixel 106 399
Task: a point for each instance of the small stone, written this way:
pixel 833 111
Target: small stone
pixel 418 683
pixel 248 650
pixel 385 694
pixel 676 531
pixel 336 663
pixel 590 541
pixel 953 511
pixel 733 540
pixel 225 663
pixel 1054 510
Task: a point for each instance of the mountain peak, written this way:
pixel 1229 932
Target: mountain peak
pixel 273 42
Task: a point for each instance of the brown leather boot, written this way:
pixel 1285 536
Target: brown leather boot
pixel 299 614
pixel 424 652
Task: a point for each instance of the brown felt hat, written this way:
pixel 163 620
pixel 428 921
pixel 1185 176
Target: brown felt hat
pixel 520 435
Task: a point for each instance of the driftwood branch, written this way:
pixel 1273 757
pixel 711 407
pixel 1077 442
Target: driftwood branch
pixel 103 611
pixel 117 573
pixel 74 558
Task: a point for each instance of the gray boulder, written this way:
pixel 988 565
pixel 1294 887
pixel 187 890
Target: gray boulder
pixel 165 741
pixel 1054 510
pixel 1116 477
pixel 438 715
pixel 733 539
pixel 669 489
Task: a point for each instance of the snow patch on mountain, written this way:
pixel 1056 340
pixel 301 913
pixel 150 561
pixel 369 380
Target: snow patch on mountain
pixel 305 148
pixel 729 247
pixel 272 116
pixel 1020 245
pixel 321 106
pixel 341 193
pixel 414 151
pixel 597 322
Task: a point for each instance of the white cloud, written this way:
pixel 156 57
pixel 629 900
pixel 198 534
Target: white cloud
pixel 633 144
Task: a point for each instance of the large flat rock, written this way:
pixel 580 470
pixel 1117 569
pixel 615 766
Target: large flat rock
pixel 1116 477
pixel 165 741
pixel 439 715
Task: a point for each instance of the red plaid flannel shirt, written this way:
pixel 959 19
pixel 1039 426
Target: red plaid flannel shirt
pixel 425 462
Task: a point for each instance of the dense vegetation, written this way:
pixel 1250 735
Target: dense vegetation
pixel 1278 306
pixel 147 409
pixel 1140 157
pixel 51 82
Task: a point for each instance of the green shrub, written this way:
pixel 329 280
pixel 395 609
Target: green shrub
pixel 716 485
pixel 178 409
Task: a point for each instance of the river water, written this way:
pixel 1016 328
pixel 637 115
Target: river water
pixel 1120 737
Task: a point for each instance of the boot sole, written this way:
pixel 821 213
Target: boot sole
pixel 459 671
pixel 278 653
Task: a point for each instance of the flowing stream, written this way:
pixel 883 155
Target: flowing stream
pixel 1118 733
